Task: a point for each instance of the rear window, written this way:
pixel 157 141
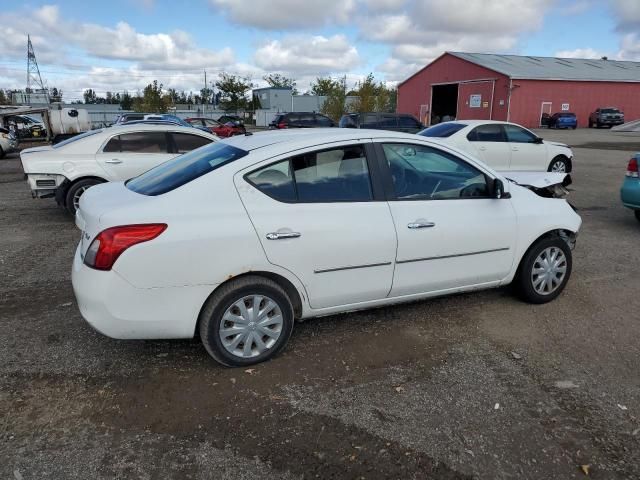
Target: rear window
pixel 76 138
pixel 442 130
pixel 185 168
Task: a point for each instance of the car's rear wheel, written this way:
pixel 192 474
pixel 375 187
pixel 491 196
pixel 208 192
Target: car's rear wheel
pixel 72 199
pixel 637 214
pixel 559 165
pixel 246 321
pixel 1 153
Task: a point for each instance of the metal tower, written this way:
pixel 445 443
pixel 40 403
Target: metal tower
pixel 34 80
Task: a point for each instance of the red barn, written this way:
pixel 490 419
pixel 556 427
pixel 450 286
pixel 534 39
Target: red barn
pixel 518 89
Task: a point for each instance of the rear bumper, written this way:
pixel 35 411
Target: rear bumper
pixel 44 185
pixel 630 193
pixel 117 309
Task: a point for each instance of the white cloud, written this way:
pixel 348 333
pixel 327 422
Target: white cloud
pixel 581 53
pixel 286 14
pixel 308 55
pixel 627 12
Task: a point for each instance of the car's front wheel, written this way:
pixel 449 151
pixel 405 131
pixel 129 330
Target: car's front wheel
pixel 246 321
pixel 559 165
pixel 637 214
pixel 544 270
pixel 72 199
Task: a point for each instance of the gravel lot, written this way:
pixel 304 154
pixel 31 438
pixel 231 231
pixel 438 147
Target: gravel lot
pixel 472 386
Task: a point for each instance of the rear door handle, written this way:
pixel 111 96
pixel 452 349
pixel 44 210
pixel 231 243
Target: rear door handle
pixel 416 225
pixel 113 160
pixel 282 235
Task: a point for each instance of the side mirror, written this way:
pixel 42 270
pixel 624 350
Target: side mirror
pixel 498 190
pixel 538 140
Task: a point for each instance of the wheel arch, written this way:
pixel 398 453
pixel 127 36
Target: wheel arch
pixel 563 233
pixel 61 191
pixel 290 289
pixel 562 156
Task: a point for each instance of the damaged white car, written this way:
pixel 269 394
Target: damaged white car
pixel 66 170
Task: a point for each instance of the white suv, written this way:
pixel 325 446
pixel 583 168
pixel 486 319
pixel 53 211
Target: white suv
pixel 237 239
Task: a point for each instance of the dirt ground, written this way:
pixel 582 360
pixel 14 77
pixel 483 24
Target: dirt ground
pixel 472 386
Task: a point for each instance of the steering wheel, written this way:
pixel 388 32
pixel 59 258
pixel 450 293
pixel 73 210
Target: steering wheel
pixel 474 190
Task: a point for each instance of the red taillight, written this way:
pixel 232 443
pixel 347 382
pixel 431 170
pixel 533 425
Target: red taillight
pixel 110 243
pixel 632 168
pixel 282 125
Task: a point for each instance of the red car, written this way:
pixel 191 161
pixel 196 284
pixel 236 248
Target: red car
pixel 223 130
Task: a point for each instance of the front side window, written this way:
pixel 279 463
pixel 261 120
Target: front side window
pixel 335 175
pixel 519 135
pixel 420 172
pixel 489 132
pixel 185 142
pixel 143 142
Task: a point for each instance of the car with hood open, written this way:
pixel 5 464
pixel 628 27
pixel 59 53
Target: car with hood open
pixel 234 241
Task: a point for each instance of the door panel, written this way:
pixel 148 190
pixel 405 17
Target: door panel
pixel 525 154
pixel 342 250
pixel 450 233
pixel 489 143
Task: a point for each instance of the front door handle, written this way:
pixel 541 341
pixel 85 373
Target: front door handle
pixel 113 160
pixel 282 235
pixel 415 225
pixel 482 148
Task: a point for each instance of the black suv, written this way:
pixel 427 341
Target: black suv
pixel 398 122
pixel 301 120
pixel 606 116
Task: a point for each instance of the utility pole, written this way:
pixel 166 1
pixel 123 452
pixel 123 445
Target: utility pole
pixel 204 97
pixel 33 72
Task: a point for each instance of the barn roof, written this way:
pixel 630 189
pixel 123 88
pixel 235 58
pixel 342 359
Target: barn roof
pixel 552 68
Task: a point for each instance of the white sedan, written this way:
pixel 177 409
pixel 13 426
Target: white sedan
pixel 67 169
pixel 504 146
pixel 238 239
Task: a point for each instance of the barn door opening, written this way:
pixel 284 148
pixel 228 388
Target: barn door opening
pixel 444 102
pixel 545 113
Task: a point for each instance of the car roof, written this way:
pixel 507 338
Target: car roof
pixel 151 127
pixel 312 136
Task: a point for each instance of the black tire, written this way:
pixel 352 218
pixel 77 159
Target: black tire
pixel 2 154
pixel 223 298
pixel 637 214
pixel 559 159
pixel 590 124
pixel 523 283
pixel 574 127
pixel 76 187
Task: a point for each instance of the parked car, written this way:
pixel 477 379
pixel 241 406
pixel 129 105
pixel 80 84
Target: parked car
pixel 222 130
pixel 397 122
pixel 301 120
pixel 26 126
pixel 504 146
pixel 563 120
pixel 128 117
pixel 610 116
pixel 302 224
pixel 8 142
pixel 66 170
pixel 230 118
pixel 630 192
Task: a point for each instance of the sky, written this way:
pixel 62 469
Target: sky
pixel 125 44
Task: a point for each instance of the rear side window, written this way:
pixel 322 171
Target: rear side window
pixel 490 132
pixel 335 175
pixel 185 168
pixel 408 122
pixel 389 121
pixel 442 130
pixel 143 142
pixel 185 142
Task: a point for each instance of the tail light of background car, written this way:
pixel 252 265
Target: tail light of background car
pixel 110 243
pixel 632 168
pixel 282 125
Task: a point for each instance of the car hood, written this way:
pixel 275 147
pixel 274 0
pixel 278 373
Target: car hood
pixel 546 184
pixel 556 144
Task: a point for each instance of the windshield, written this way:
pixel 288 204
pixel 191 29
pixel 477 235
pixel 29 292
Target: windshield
pixel 185 168
pixel 442 130
pixel 77 137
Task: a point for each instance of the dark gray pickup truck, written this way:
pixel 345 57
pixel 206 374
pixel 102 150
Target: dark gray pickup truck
pixel 609 116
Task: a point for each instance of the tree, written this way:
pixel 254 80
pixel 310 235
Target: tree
pixel 56 95
pixel 126 102
pixel 280 81
pixel 3 98
pixel 233 90
pixel 152 99
pixel 334 105
pixel 90 96
pixel 373 97
pixel 323 86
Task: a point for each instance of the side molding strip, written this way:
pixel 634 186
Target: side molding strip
pixel 352 268
pixel 453 256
